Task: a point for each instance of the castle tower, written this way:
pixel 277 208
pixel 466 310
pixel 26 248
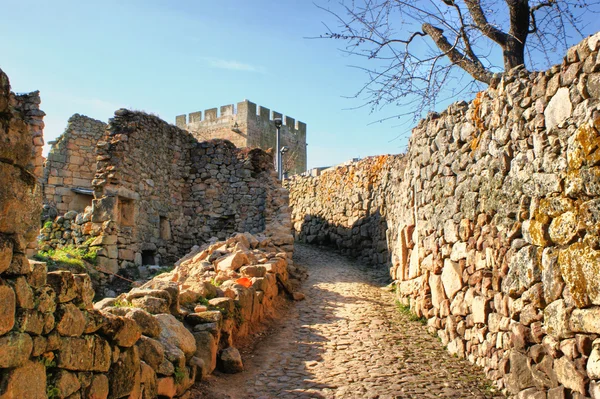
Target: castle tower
pixel 249 125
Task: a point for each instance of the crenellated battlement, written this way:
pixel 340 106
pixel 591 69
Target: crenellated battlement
pixel 246 124
pixel 242 109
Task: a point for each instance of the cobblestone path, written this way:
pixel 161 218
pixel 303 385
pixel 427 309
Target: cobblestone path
pixel 348 340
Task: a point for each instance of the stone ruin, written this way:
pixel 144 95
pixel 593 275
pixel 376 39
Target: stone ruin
pixel 157 191
pixel 489 225
pixel 157 339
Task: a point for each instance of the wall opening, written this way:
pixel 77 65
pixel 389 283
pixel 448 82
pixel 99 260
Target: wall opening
pixel 80 202
pixel 126 212
pixel 148 257
pixel 165 228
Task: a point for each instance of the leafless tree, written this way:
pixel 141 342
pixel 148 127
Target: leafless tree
pixel 421 49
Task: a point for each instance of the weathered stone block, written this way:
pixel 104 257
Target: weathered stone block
pixel 437 290
pixel 71 321
pixel 175 334
pixel 230 361
pixel 480 309
pixel 580 266
pixel 585 320
pixel 593 363
pixel 63 284
pixel 151 351
pixel 27 381
pixel 20 202
pixel 15 349
pixel 122 376
pixel 88 353
pixel 451 278
pixel 6 253
pixel 147 323
pixel 66 382
pixel 569 376
pixel 556 319
pixel 8 308
pixel 524 271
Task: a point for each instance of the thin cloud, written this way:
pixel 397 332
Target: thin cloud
pixel 232 65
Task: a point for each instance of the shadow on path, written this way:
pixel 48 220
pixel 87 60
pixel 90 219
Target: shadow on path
pixel 347 340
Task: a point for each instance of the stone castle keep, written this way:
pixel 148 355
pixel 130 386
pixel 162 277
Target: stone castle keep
pixel 249 125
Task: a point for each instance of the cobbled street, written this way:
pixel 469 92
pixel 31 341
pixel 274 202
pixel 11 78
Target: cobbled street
pixel 349 340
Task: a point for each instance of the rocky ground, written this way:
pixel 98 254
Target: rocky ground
pixel 347 340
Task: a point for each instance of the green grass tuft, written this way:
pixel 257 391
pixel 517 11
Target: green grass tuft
pixel 69 256
pixel 405 310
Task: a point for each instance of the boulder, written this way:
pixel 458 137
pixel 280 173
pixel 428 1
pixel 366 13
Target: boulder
pixel 230 361
pixel 175 334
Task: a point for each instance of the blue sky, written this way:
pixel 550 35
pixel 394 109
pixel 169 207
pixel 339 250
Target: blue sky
pixel 176 57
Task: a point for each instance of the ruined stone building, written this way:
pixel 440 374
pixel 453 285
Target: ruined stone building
pixel 71 165
pixel 155 190
pixel 249 125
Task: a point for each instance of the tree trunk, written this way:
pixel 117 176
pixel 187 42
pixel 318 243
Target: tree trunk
pixel 514 48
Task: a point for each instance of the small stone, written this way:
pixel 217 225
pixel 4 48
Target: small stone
pixel 298 296
pixel 230 361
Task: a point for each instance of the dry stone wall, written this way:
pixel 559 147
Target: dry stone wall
pixel 71 166
pixel 492 225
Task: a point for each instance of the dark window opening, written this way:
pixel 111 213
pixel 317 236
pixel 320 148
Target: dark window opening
pixel 148 258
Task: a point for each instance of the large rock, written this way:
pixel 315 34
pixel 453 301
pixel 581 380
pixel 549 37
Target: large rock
pixel 175 334
pixel 20 202
pixel 232 261
pixel 151 351
pixel 564 228
pixel 98 388
pixel 67 383
pixel 585 320
pixel 147 323
pixel 230 361
pixel 207 346
pixel 71 320
pixel 520 376
pixel 15 349
pixel 559 108
pixel 567 374
pixel 580 266
pixel 8 308
pixel 88 353
pixel 451 278
pixel 556 319
pixel 63 284
pixel 437 290
pixel 524 271
pixel 593 363
pixel 27 381
pixel 124 374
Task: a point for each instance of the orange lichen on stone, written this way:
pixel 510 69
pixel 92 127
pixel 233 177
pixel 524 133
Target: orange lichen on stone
pixel 477 120
pixel 584 147
pixel 580 268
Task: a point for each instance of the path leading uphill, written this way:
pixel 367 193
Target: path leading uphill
pixel 347 340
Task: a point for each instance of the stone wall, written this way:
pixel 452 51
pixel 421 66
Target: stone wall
pixel 71 165
pixel 154 341
pixel 159 191
pixel 492 219
pixel 249 125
